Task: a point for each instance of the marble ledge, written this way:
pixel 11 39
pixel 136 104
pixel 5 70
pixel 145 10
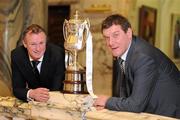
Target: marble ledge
pixel 65 107
pixel 59 107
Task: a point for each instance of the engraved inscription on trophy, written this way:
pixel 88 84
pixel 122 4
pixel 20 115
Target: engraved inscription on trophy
pixel 75 35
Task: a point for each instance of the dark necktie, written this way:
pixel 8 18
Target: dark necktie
pixel 35 70
pixel 120 79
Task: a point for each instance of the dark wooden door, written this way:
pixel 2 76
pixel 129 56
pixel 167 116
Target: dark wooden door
pixel 56 17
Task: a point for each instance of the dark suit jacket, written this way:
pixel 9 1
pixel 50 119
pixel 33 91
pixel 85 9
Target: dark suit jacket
pixel 153 82
pixel 51 75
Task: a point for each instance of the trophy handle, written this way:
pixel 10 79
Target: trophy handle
pixel 65 29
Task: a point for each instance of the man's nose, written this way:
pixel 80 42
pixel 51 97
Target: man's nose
pixel 38 46
pixel 110 41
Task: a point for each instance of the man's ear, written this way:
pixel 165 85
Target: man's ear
pixel 129 33
pixel 24 43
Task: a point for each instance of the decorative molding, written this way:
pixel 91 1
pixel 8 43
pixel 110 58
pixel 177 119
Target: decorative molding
pixel 62 2
pixel 98 8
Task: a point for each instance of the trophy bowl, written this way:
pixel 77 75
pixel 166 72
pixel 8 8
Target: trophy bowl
pixel 75 35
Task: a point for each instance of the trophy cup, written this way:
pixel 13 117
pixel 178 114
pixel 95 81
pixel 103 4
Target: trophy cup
pixel 75 33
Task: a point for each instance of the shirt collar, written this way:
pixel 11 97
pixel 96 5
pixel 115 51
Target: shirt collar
pixel 125 54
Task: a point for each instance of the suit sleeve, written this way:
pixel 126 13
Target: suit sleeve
pixel 145 74
pixel 18 84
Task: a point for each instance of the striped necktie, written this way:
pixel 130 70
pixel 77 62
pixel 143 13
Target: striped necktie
pixel 120 79
pixel 35 69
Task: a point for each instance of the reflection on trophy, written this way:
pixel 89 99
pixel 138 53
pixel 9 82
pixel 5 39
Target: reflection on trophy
pixel 75 32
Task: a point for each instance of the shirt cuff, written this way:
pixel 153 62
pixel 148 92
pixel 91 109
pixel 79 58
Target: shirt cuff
pixel 28 98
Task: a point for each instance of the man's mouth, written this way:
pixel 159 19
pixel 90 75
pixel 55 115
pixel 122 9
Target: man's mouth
pixel 114 48
pixel 37 53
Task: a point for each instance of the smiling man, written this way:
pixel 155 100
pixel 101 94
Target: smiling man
pixel 145 80
pixel 37 67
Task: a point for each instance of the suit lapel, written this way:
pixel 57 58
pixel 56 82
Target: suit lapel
pixel 25 66
pixel 127 68
pixel 130 54
pixel 45 66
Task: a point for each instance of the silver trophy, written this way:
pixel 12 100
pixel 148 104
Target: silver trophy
pixel 75 34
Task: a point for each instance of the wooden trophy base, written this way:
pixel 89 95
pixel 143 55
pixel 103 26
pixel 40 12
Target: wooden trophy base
pixel 75 82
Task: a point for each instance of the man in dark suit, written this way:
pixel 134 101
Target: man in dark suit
pixel 151 81
pixel 35 82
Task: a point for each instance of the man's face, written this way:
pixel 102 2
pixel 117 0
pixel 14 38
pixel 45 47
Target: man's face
pixel 35 44
pixel 117 40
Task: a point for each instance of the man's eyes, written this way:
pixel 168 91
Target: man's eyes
pixel 41 43
pixel 34 44
pixel 115 35
pixel 112 36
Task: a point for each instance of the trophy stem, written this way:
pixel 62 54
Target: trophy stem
pixel 76 65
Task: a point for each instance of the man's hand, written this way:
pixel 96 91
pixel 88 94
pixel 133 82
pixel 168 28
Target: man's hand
pixel 100 102
pixel 39 94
